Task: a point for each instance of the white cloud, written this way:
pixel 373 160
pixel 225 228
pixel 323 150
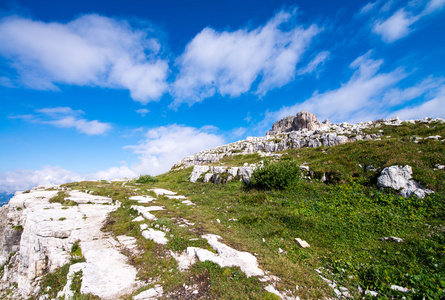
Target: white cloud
pixel 358 99
pixel 395 27
pixel 166 145
pixel 228 63
pixel 399 96
pixel 143 111
pixel 400 23
pixel 20 180
pixel 91 50
pixel 65 117
pixel 369 7
pixel 313 64
pixel 433 108
pixel 434 5
pixel 161 148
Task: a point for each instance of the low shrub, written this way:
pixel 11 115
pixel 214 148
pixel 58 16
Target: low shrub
pixel 146 179
pixel 278 175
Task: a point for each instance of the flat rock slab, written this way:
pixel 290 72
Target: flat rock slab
pixel 155 235
pixel 229 257
pixel 161 192
pixel 104 281
pixel 83 198
pixel 145 211
pixel 151 294
pixel 178 197
pixel 142 199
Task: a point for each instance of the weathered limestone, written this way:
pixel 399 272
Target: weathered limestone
pixel 400 178
pixel 49 232
pixel 215 173
pixel 308 133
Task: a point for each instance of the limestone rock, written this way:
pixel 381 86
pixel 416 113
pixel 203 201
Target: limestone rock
pixel 400 178
pixel 306 120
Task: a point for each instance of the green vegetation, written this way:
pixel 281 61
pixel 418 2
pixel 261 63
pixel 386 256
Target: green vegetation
pixel 342 217
pixel 61 198
pixel 146 179
pixel 278 175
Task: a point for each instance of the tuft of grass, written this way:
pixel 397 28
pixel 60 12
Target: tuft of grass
pixel 61 198
pixel 146 179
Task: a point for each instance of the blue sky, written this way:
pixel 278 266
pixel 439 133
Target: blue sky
pixel 107 89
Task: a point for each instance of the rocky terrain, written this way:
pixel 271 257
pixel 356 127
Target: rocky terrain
pixel 301 131
pixel 130 240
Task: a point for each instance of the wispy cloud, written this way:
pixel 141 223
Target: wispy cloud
pixel 313 64
pixel 229 62
pixel 434 107
pixel 65 117
pixel 368 95
pixel 143 111
pixel 91 50
pixel 401 22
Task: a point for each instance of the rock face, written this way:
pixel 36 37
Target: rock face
pixel 39 236
pixel 400 178
pixel 303 131
pixel 303 120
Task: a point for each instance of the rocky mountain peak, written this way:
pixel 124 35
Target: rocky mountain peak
pixel 303 120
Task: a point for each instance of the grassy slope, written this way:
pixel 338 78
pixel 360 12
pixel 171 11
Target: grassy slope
pixel 341 220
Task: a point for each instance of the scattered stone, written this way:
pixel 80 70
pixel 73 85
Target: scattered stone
pixel 372 293
pixel 280 250
pixel 399 178
pixel 188 202
pixel 391 239
pixel 155 235
pixel 400 289
pixel 162 192
pixel 302 243
pixel 138 219
pixel 142 199
pixel 228 257
pixel 151 294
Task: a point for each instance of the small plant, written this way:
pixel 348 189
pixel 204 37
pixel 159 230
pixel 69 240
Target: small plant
pixel 61 198
pixel 275 175
pixel 18 228
pixel 62 219
pixel 146 179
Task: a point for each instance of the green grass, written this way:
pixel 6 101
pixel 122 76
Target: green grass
pixel 342 219
pixel 146 179
pixel 61 198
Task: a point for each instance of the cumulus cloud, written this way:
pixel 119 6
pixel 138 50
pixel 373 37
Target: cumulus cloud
pixel 20 180
pixel 396 26
pixel 65 117
pixel 399 24
pixel 91 50
pixel 229 62
pixel 164 146
pixel 313 64
pixel 160 149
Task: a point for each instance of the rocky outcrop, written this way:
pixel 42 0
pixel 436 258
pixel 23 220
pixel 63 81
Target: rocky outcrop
pixel 303 120
pixel 325 135
pixel 400 179
pixel 39 235
pixel 219 175
pixel 331 135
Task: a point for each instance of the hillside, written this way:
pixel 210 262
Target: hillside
pixel 223 223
